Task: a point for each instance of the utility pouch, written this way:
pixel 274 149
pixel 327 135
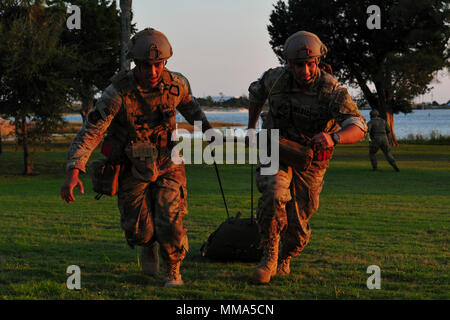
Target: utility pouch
pixel 295 154
pixel 105 178
pixel 144 158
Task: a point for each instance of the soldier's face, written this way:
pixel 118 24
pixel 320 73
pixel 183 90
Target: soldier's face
pixel 304 71
pixel 149 74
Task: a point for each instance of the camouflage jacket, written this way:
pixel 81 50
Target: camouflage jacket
pixel 133 115
pixel 324 107
pixel 378 127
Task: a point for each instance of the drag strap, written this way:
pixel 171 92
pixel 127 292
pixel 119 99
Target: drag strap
pixel 221 189
pixel 251 193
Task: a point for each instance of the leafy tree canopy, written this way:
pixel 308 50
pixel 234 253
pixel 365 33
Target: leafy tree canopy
pixel 391 65
pixel 35 69
pixel 35 66
pixel 97 46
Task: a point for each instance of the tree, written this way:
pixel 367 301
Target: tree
pixel 391 65
pixel 205 102
pixel 34 68
pixel 97 46
pixel 125 24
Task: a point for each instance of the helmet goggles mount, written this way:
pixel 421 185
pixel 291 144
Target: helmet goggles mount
pixel 302 46
pixel 149 46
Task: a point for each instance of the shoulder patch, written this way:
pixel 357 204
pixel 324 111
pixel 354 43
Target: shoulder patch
pixel 276 79
pixel 328 82
pixel 340 96
pixel 94 116
pixel 329 79
pixel 327 87
pixel 102 108
pixel 100 112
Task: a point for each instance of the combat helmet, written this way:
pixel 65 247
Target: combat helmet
pixel 374 113
pixel 304 45
pixel 149 45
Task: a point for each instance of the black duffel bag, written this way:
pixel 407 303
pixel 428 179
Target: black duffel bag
pixel 235 239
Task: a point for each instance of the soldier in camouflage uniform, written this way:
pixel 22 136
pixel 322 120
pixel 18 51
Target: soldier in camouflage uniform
pixel 138 113
pixel 378 130
pixel 308 106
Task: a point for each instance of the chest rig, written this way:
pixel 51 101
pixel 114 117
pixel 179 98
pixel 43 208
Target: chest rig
pixel 300 115
pixel 146 119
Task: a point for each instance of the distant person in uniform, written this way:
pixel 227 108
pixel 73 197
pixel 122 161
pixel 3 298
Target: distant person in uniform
pixel 378 130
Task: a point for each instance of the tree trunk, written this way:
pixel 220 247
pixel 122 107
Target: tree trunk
pixel 370 97
pixel 28 170
pixel 125 22
pixel 390 121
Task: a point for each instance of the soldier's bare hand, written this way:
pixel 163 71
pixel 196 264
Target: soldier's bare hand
pixel 323 140
pixel 72 181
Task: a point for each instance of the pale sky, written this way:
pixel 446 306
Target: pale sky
pixel 223 45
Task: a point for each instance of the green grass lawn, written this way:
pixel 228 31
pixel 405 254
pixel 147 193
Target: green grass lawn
pixel 398 221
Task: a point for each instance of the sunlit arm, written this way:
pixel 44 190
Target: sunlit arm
pixel 351 134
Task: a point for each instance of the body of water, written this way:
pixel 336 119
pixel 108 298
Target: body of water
pixel 417 122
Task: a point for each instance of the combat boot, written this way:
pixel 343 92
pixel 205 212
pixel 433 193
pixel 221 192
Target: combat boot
pixel 150 259
pixel 268 265
pixel 172 273
pixel 283 267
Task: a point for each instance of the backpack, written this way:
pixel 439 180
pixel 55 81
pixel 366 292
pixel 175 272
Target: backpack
pixel 105 178
pixel 235 239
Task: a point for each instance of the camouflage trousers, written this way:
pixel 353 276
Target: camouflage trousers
pixel 380 142
pixel 288 200
pixel 153 211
